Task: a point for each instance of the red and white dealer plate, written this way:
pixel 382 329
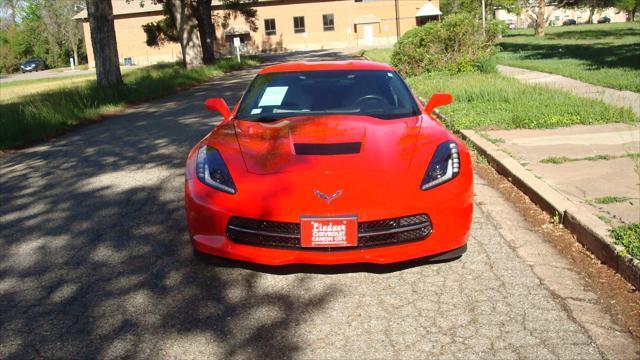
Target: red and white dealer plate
pixel 328 232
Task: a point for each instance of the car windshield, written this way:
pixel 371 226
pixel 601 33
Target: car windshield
pixel 376 93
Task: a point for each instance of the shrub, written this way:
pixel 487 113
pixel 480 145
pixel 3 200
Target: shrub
pixel 456 44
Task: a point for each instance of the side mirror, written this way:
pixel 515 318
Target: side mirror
pixel 437 100
pixel 218 105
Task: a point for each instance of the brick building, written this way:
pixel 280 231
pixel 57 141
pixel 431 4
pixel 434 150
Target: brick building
pixel 283 25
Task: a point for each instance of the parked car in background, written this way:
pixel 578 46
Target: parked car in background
pixel 569 22
pixel 32 65
pixel 604 20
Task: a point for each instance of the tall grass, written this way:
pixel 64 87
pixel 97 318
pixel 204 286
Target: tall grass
pixel 43 115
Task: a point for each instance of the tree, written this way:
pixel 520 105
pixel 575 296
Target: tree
pixel 64 33
pixel 9 57
pixel 188 32
pixel 630 6
pixel 43 29
pixel 474 7
pixel 207 30
pixel 537 11
pixel 168 29
pixel 31 41
pixel 103 42
pixel 179 24
pixel 9 10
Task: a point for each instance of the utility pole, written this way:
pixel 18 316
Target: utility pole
pixel 398 19
pixel 483 17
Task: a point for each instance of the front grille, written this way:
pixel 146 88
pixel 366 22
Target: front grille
pixel 370 233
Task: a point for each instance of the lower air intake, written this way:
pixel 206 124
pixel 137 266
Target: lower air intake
pixel 276 234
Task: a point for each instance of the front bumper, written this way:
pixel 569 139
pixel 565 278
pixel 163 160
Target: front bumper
pixel 223 247
pixel 207 221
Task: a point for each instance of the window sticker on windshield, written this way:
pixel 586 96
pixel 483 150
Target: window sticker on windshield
pixel 273 96
pixel 256 111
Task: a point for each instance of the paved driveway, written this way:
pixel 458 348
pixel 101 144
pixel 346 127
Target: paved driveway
pixel 95 262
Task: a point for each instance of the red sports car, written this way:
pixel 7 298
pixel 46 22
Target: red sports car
pixel 329 163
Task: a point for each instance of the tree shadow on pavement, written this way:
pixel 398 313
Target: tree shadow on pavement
pixel 96 260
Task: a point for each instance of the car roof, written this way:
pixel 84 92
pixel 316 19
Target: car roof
pixel 326 65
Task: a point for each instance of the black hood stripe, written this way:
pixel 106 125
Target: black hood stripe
pixel 328 149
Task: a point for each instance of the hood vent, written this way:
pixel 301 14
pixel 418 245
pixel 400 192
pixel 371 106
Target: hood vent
pixel 328 149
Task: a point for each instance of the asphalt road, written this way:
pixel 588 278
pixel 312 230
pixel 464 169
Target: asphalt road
pixel 95 261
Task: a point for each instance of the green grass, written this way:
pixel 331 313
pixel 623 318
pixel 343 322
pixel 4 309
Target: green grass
pixel 67 68
pixel 604 219
pixel 629 237
pixel 14 90
pixel 43 115
pixel 605 200
pixel 11 90
pixel 493 101
pixel 600 54
pixel 379 55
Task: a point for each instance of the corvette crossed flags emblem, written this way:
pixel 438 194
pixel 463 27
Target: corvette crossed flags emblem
pixel 328 198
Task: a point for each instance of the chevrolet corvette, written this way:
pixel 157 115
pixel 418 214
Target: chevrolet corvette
pixel 329 163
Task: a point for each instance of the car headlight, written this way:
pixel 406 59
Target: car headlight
pixel 212 171
pixel 444 166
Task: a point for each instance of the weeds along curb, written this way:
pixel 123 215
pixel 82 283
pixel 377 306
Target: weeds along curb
pixel 590 231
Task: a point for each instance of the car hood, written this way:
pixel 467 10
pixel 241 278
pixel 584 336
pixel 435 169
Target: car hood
pixel 327 144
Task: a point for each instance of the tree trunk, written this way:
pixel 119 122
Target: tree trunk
pixel 188 33
pixel 103 42
pixel 540 18
pixel 75 55
pixel 207 30
pixel 592 10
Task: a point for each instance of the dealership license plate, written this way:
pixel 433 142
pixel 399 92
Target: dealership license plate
pixel 329 232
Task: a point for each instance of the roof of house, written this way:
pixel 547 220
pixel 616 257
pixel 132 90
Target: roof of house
pixel 121 7
pixel 428 9
pixel 326 65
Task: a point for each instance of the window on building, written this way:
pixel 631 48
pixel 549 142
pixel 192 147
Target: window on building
pixel 327 22
pixel 298 24
pixel 270 26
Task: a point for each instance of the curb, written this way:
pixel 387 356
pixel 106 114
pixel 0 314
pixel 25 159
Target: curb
pixel 590 231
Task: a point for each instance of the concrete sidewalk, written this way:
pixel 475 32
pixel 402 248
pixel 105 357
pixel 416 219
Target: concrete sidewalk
pixel 610 96
pixel 594 166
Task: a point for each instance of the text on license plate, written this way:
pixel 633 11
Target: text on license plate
pixel 329 232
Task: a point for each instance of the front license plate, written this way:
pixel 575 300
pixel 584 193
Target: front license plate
pixel 329 232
